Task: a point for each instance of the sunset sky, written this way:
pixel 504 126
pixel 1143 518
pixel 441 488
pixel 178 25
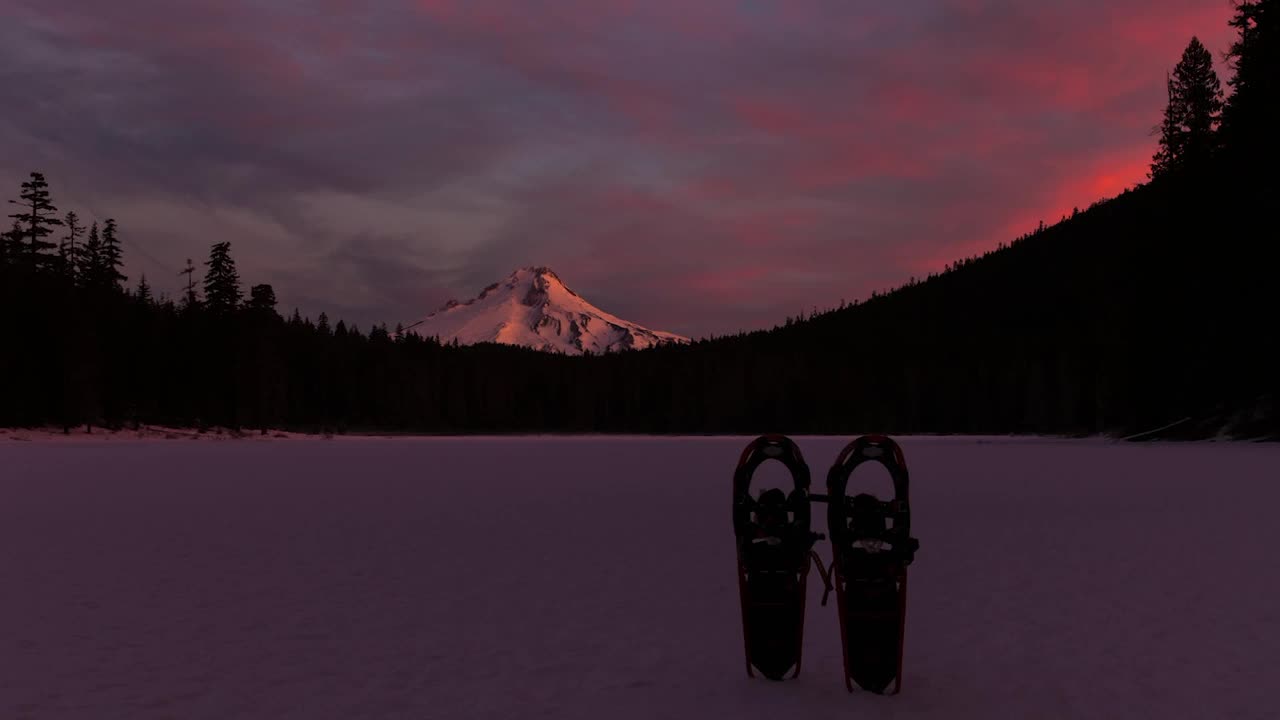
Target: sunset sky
pixel 697 166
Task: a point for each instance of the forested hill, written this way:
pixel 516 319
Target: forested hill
pixel 1144 310
pixel 1156 308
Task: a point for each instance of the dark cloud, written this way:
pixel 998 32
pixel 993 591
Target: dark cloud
pixel 698 167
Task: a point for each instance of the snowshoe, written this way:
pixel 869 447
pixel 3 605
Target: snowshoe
pixel 774 544
pixel 871 548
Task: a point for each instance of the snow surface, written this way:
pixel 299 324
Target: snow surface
pixel 593 577
pixel 534 308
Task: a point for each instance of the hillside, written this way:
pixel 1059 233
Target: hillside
pixel 1146 309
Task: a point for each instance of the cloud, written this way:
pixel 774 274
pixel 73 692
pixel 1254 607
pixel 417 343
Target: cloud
pixel 701 167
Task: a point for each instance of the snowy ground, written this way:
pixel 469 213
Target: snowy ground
pixel 593 578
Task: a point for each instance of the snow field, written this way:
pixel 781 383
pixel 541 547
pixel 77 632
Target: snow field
pixel 592 577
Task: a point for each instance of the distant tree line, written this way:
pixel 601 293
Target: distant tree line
pixel 1158 307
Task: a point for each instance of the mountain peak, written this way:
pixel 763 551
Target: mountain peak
pixel 538 270
pixel 533 307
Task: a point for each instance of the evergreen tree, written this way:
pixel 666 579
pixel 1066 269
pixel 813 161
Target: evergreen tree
pixel 90 264
pixel 1163 161
pixel 1187 133
pixel 262 299
pixel 221 282
pixel 109 261
pixel 189 298
pixel 11 245
pixel 69 251
pixel 1252 114
pixel 144 290
pixel 1201 92
pixel 37 219
pixel 322 324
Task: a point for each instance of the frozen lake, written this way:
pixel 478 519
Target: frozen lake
pixel 594 577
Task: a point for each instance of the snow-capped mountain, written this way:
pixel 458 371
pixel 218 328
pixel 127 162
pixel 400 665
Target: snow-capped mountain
pixel 534 308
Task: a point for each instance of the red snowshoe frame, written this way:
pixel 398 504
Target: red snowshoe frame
pixel 881 449
pixel 779 448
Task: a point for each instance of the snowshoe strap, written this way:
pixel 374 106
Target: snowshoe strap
pixel 824 572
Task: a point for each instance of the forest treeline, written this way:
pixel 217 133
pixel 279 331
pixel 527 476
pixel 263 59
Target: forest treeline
pixel 1155 308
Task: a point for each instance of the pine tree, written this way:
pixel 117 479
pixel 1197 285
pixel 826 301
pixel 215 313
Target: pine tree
pixel 1252 114
pixel 1163 161
pixel 262 299
pixel 11 245
pixel 189 298
pixel 39 216
pixel 110 261
pixel 90 264
pixel 1187 134
pixel 144 290
pixel 69 251
pixel 1202 93
pixel 322 324
pixel 221 282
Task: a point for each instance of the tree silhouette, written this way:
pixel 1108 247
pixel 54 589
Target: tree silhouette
pixel 1252 113
pixel 91 270
pixel 1163 161
pixel 1192 115
pixel 37 219
pixel 262 299
pixel 109 257
pixel 11 245
pixel 69 251
pixel 143 292
pixel 189 299
pixel 221 282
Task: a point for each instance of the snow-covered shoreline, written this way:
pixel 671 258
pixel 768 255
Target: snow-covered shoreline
pixel 80 434
pixel 149 433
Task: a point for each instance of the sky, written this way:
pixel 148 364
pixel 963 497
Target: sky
pixel 697 167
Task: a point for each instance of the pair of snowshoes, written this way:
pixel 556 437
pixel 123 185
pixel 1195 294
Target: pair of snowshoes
pixel 871 548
